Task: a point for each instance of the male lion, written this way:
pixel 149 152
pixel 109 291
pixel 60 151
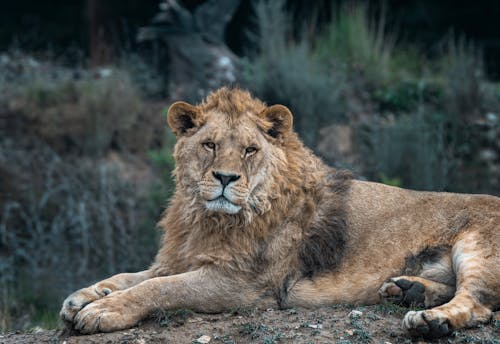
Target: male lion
pixel 257 217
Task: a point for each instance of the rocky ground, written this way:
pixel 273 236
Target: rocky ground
pixel 341 324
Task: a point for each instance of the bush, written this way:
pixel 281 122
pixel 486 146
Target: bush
pixel 356 39
pixel 287 72
pixel 410 151
pixel 77 201
pixel 68 226
pixel 77 110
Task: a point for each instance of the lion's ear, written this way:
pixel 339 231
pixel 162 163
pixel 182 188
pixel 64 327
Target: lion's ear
pixel 279 118
pixel 182 117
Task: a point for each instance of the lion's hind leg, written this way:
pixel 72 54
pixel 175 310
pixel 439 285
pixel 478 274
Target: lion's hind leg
pixel 416 291
pixel 476 264
pixel 428 280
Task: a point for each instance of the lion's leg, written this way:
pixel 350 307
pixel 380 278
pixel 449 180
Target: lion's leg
pixel 82 297
pixel 201 290
pixel 416 291
pixel 476 262
pixel 352 287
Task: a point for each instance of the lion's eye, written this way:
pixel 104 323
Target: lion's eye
pixel 209 146
pixel 250 150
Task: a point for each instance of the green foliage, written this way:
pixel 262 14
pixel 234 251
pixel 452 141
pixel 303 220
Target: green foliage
pixel 173 318
pixel 390 308
pixel 414 118
pixel 416 140
pixel 287 72
pixel 84 223
pixel 357 40
pixel 396 181
pixel 406 95
pixel 463 68
pixel 86 215
pixel 162 188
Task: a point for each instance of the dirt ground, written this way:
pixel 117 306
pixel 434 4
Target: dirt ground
pixel 375 324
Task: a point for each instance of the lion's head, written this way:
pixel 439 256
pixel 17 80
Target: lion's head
pixel 230 152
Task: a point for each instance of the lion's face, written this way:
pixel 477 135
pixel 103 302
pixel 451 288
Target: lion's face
pixel 231 156
pixel 226 161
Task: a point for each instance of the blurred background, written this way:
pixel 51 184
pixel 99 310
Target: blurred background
pixel 404 93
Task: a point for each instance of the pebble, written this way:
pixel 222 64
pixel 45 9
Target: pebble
pixel 355 314
pixel 204 339
pixel 315 326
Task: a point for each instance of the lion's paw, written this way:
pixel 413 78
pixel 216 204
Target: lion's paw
pixel 429 324
pixel 79 299
pixel 404 292
pixel 106 315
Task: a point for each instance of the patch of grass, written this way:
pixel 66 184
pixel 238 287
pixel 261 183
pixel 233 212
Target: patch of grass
pixel 253 330
pixel 373 317
pixel 224 339
pixel 272 339
pixel 463 337
pixel 354 38
pixel 390 309
pixel 173 318
pixel 46 319
pixel 315 332
pixel 243 311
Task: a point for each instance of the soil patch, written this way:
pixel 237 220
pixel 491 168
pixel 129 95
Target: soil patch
pixel 339 324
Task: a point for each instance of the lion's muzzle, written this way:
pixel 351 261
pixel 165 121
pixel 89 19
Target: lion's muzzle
pixel 222 204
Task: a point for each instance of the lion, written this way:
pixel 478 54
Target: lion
pixel 257 219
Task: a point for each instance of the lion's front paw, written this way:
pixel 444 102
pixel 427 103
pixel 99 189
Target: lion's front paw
pixel 79 299
pixel 112 313
pixel 429 324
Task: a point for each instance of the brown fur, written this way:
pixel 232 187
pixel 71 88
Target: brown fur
pixel 295 232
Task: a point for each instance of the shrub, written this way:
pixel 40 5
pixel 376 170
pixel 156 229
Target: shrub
pixel 287 72
pixel 72 223
pixel 410 151
pixel 354 38
pixel 77 110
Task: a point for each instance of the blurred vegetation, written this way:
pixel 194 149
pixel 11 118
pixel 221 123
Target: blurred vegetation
pixel 88 167
pixel 88 159
pixel 417 123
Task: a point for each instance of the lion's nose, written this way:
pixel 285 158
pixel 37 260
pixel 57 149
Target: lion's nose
pixel 225 178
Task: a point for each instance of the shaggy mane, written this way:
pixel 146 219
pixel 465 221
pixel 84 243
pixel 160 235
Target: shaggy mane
pixel 233 102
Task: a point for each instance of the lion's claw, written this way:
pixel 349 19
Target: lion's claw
pixel 106 315
pixel 423 323
pixel 79 300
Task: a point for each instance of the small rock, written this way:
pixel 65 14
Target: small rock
pixel 355 314
pixel 315 326
pixel 491 117
pixel 350 332
pixel 204 339
pixel 387 343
